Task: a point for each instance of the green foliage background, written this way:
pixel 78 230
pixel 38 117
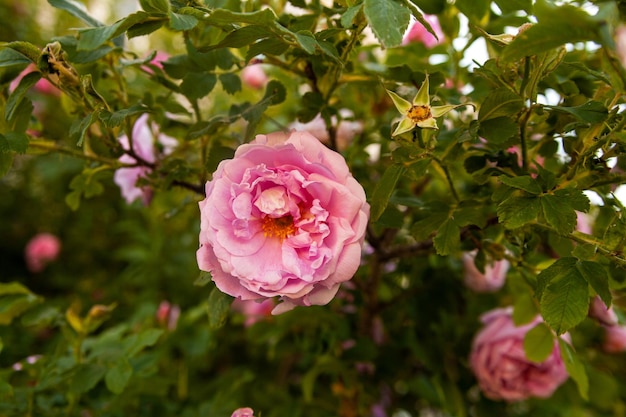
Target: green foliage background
pixel 399 336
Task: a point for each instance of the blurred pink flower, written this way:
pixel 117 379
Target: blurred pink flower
pixel 41 250
pixel 42 86
pixel 254 76
pixel 493 278
pixel 167 315
pixel 418 33
pixel 346 130
pixel 157 61
pixel 614 339
pixel 620 44
pixel 283 218
pixel 599 311
pixel 243 412
pixel 144 137
pixel 584 223
pixel 253 310
pixel 500 364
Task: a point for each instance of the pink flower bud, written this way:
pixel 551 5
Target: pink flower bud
pixel 243 412
pixel 614 339
pixel 254 76
pixel 167 315
pixel 41 250
pixel 500 364
pixel 493 278
pixel 419 34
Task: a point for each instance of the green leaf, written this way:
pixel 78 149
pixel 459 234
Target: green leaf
pixel 524 309
pixel 598 277
pixel 270 46
pixel 448 238
pixel 182 21
pixel 6 162
pixel 557 26
pixel 575 368
pixel 475 10
pixel 265 17
pixel 15 299
pixel 196 85
pixel 115 119
pixel 307 41
pixel 137 342
pixel 383 190
pixel 437 213
pixel 564 295
pixel 500 102
pixel 76 9
pixel 13 142
pixel 79 127
pixel 117 377
pixel 515 212
pixel 155 6
pixel 347 18
pixel 26 49
pixel 525 182
pixel 590 112
pixel 539 343
pixel 91 38
pixel 245 36
pixel 559 209
pixel 203 279
pixel 85 377
pixel 218 307
pixel 275 93
pixel 230 82
pixel 18 94
pixel 388 19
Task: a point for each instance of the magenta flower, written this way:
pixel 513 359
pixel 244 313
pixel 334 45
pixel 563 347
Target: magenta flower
pixel 41 250
pixel 418 33
pixel 500 364
pixel 243 412
pixel 490 281
pixel 283 218
pixel 144 137
pixel 614 339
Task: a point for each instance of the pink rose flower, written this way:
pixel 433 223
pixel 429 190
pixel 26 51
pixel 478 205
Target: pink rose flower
pixel 599 311
pixel 144 137
pixel 243 412
pixel 41 250
pixel 493 278
pixel 614 339
pixel 283 218
pixel 418 33
pixel 500 364
pixel 254 76
pixel 254 311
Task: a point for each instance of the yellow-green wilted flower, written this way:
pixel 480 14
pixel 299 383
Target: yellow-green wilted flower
pixel 419 113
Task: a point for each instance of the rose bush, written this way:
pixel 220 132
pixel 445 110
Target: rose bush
pixel 501 366
pixel 283 218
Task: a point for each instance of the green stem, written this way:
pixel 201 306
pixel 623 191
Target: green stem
pixel 446 172
pixel 53 147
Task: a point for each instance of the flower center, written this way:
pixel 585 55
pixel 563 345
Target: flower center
pixel 280 227
pixel 419 113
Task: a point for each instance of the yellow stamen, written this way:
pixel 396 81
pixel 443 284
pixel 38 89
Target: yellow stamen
pixel 419 113
pixel 280 227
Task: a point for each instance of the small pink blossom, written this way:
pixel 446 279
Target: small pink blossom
pixel 167 315
pixel 599 311
pixel 419 34
pixel 500 364
pixel 41 250
pixel 243 412
pixel 254 311
pixel 614 339
pixel 492 280
pixel 254 76
pixel 283 218
pixel 345 132
pixel 157 61
pixel 144 137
